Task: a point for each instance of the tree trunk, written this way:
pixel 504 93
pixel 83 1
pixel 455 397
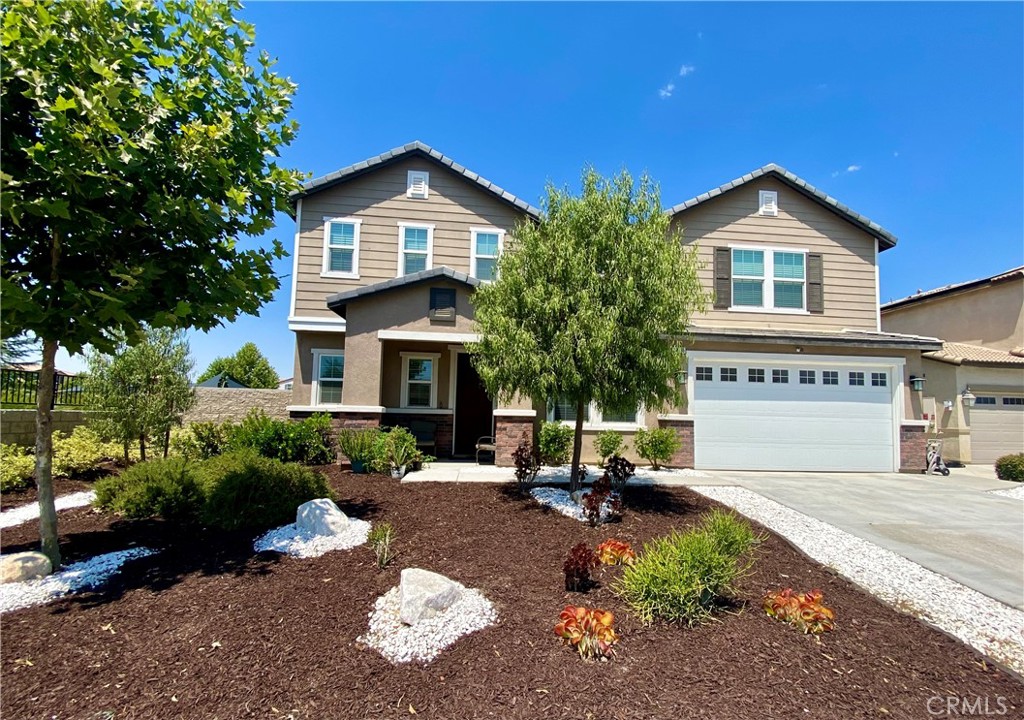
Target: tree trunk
pixel 127 453
pixel 577 447
pixel 142 448
pixel 44 456
pixel 167 442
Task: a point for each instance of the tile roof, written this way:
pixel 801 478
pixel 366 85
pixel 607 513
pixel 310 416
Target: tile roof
pixel 860 338
pixel 337 301
pixel 963 354
pixel 885 238
pixel 937 292
pixel 417 149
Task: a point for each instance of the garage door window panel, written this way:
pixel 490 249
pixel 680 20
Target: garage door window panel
pixel 830 377
pixel 780 376
pixel 1015 401
pixel 755 375
pixel 727 374
pixel 857 378
pixel 807 377
pixel 705 374
pixel 879 379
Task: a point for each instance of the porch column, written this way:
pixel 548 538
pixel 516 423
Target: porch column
pixel 511 427
pixel 682 425
pixel 913 446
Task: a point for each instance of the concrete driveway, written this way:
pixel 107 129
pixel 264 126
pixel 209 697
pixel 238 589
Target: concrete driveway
pixel 948 525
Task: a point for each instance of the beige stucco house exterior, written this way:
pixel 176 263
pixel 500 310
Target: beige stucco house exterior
pixel 789 370
pixel 973 390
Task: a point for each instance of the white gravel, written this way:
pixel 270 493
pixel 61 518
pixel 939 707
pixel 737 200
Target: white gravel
pixel 644 475
pixel 1014 492
pixel 425 640
pixel 290 540
pixel 978 620
pixel 559 500
pixel 74 578
pixel 24 513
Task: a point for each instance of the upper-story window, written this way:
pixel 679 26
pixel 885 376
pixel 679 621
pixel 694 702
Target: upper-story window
pixel 415 248
pixel 485 247
pixel 769 279
pixel 341 247
pixel 418 185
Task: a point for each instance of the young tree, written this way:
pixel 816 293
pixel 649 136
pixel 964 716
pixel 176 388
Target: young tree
pixel 138 142
pixel 591 304
pixel 248 366
pixel 142 390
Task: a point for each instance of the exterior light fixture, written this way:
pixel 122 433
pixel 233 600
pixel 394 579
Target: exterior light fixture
pixel 916 383
pixel 681 377
pixel 967 397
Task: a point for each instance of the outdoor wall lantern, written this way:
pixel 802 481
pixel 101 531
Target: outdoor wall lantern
pixel 968 397
pixel 681 377
pixel 916 383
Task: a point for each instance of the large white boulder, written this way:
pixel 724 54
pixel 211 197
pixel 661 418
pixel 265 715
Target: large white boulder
pixel 19 567
pixel 424 594
pixel 321 517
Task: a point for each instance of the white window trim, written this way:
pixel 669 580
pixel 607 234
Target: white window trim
pixel 409 183
pixel 406 357
pixel 473 232
pixel 402 225
pixel 762 209
pixel 325 270
pixel 314 393
pixel 768 289
pixel 596 422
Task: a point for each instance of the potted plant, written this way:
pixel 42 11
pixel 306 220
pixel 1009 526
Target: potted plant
pixel 420 459
pixel 358 446
pixel 394 450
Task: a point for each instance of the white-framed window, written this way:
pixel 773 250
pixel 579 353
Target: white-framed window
pixel 755 375
pixel 1013 401
pixel 768 201
pixel 985 400
pixel 705 373
pixel 807 377
pixel 418 184
pixel 341 247
pixel 328 376
pixel 829 377
pixel 485 246
pixel 727 374
pixel 769 279
pixel 561 410
pixel 879 379
pixel 780 376
pixel 857 378
pixel 419 379
pixel 415 247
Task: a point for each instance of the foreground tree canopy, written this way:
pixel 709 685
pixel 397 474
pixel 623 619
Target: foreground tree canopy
pixel 248 366
pixel 139 141
pixel 591 304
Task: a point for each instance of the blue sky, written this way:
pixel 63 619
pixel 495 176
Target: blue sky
pixel 912 114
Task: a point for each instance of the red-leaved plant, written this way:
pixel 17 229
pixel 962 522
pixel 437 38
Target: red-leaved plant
pixel 801 610
pixel 577 568
pixel 615 552
pixel 588 630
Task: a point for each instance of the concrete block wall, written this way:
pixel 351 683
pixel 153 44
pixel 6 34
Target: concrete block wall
pixel 222 404
pixel 18 427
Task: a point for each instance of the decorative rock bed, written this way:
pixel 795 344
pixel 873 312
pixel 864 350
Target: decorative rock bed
pixel 561 501
pixel 1015 492
pixel 319 527
pixel 79 576
pixel 19 515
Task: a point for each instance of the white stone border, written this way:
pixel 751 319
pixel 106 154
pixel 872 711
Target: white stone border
pixel 30 511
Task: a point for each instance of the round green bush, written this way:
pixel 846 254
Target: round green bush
pixel 554 443
pixel 608 443
pixel 1011 467
pixel 657 445
pixel 166 487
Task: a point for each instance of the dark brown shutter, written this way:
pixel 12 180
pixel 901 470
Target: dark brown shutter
pixel 723 278
pixel 815 284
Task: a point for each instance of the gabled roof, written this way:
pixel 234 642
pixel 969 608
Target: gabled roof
pixel 886 239
pixel 413 149
pixel 338 301
pixel 964 354
pixel 1017 272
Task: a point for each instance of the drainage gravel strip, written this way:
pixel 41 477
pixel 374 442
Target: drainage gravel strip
pixel 985 624
pixel 19 515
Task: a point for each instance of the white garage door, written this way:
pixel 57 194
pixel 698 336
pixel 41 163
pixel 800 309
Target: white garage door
pixel 997 426
pixel 815 414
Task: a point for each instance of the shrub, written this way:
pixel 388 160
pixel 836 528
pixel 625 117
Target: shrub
pixel 615 552
pixel 683 576
pixel 527 463
pixel 165 487
pixel 82 451
pixel 577 568
pixel 595 500
pixel 803 611
pixel 17 465
pixel 554 441
pixel 1010 467
pixel 619 471
pixel 588 630
pixel 357 445
pixel 381 537
pixel 608 443
pixel 731 534
pixel 657 446
pixel 201 441
pixel 307 441
pixel 393 448
pixel 244 489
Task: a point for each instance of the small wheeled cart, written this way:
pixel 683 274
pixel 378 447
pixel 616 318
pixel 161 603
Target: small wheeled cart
pixel 934 456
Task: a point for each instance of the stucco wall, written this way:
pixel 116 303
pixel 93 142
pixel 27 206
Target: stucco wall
pixel 18 427
pixel 220 404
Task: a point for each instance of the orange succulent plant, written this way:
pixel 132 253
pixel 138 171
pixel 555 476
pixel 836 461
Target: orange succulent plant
pixel 801 610
pixel 615 552
pixel 587 629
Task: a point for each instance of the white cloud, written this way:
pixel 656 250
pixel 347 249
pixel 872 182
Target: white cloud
pixel 686 70
pixel 853 168
pixel 666 92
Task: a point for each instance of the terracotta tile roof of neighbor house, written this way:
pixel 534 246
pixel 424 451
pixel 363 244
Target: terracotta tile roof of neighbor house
pixel 1017 272
pixel 963 354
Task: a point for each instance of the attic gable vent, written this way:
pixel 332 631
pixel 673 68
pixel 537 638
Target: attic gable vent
pixel 769 201
pixel 419 184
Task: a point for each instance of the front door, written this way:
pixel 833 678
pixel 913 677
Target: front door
pixel 473 408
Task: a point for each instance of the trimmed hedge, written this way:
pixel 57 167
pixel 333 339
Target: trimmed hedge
pixel 1011 467
pixel 166 487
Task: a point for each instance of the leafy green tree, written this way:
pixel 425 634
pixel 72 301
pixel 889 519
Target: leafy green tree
pixel 138 142
pixel 248 366
pixel 591 304
pixel 142 390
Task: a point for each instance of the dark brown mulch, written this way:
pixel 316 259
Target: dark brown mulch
pixel 286 628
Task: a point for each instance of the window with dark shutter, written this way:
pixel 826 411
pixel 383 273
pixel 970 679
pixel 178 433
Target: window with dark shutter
pixel 815 284
pixel 442 304
pixel 723 278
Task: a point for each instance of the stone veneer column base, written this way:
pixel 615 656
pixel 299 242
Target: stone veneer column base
pixel 442 428
pixel 683 427
pixel 913 449
pixel 509 431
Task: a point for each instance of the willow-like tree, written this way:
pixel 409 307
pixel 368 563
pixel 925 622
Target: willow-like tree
pixel 139 141
pixel 592 303
pixel 248 366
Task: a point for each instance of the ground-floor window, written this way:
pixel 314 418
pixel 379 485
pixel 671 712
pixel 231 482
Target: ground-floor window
pixel 419 380
pixel 328 376
pixel 562 410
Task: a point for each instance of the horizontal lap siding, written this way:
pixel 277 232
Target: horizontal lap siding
pixel 453 206
pixel 847 254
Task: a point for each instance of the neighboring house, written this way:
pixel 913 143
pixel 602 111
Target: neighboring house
pixel 789 371
pixel 981 361
pixel 222 380
pixel 284 383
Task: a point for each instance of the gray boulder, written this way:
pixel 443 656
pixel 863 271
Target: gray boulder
pixel 19 567
pixel 426 594
pixel 321 517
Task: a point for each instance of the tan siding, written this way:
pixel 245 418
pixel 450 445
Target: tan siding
pixel 848 254
pixel 453 206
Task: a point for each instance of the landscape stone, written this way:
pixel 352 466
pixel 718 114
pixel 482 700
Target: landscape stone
pixel 321 517
pixel 424 594
pixel 19 567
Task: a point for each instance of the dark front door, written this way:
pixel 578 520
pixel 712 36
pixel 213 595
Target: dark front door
pixel 473 409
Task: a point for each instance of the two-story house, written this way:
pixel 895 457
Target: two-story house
pixel 789 370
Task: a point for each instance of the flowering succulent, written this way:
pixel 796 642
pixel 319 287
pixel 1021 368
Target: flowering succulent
pixel 577 567
pixel 615 552
pixel 588 630
pixel 801 610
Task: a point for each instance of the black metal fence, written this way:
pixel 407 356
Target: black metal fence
pixel 21 387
